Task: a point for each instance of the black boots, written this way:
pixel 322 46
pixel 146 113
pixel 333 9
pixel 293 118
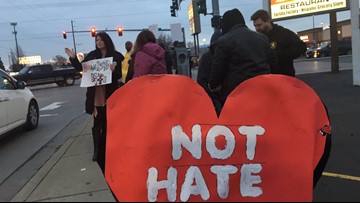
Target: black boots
pixel 96 139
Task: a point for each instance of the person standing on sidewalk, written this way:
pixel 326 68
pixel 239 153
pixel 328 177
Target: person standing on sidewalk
pixel 96 96
pixel 205 69
pixel 148 56
pixel 240 54
pixel 285 43
pixel 125 63
pixel 168 58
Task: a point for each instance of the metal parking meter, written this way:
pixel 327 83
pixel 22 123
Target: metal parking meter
pixel 182 59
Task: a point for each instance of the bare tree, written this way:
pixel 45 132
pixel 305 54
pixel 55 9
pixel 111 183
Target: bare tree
pixel 165 40
pixel 60 60
pixel 15 61
pixel 190 44
pixel 13 57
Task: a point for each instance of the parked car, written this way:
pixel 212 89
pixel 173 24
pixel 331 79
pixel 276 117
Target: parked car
pixel 45 74
pixel 324 49
pixel 18 106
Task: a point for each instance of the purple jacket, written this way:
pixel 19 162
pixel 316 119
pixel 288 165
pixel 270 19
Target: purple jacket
pixel 150 60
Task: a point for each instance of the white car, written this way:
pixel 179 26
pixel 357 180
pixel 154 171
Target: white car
pixel 18 106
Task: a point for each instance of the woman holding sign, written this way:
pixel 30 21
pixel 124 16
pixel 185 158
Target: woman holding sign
pixel 97 94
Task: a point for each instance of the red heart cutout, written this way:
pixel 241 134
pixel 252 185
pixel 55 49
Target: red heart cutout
pixel 145 142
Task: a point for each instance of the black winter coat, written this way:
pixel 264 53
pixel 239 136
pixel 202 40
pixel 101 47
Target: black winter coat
pixel 287 47
pixel 240 54
pixel 110 88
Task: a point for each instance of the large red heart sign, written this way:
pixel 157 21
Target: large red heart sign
pixel 166 143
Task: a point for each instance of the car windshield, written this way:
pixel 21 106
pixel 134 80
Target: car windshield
pixel 24 70
pixel 323 44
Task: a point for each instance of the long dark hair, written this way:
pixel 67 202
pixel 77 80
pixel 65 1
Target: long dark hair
pixel 144 37
pixel 110 47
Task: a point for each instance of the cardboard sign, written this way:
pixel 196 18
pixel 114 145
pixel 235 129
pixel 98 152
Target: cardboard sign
pixel 166 143
pixel 96 72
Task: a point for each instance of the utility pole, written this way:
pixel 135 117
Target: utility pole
pixel 216 13
pixel 73 35
pixel 314 38
pixel 17 47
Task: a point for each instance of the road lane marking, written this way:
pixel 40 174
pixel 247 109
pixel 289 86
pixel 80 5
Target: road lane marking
pixel 52 106
pixel 48 115
pixel 347 177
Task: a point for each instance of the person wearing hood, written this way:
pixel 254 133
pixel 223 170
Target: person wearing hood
pixel 240 54
pixel 285 43
pixel 148 57
pixel 205 68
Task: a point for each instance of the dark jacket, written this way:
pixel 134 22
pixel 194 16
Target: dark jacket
pixel 287 47
pixel 240 54
pixel 168 62
pixel 204 71
pixel 110 88
pixel 205 64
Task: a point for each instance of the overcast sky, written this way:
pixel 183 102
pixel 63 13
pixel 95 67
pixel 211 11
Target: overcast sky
pixel 40 22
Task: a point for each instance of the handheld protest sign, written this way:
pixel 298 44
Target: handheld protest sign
pixel 96 72
pixel 166 143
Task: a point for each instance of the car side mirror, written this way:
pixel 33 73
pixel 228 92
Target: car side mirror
pixel 21 85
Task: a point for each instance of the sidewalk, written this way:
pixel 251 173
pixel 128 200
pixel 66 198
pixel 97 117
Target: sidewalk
pixel 71 175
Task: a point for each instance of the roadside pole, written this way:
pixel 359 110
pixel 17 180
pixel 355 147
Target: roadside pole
pixel 354 9
pixel 73 35
pixel 266 5
pixel 216 12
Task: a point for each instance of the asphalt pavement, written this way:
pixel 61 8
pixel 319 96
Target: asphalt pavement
pixel 71 175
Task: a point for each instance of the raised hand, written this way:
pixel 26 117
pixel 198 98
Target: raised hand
pixel 70 53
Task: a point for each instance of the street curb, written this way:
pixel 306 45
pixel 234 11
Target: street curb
pixel 26 191
pixel 34 181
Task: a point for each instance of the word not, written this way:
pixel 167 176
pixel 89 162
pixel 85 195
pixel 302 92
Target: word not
pixel 195 182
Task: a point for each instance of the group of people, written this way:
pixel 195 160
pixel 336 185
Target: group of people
pixel 236 54
pixel 143 57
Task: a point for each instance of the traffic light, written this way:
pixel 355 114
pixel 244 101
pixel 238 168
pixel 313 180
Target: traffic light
pixel 93 32
pixel 202 6
pixel 64 34
pixel 175 4
pixel 172 11
pixel 120 31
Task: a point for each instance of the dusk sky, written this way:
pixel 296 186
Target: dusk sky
pixel 40 23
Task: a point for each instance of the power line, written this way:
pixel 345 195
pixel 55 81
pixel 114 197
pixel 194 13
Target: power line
pixel 88 17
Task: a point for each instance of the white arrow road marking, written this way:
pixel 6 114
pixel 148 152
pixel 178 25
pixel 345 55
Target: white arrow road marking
pixel 48 115
pixel 52 106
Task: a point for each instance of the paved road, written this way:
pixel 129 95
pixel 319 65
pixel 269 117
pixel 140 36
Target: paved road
pixel 59 106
